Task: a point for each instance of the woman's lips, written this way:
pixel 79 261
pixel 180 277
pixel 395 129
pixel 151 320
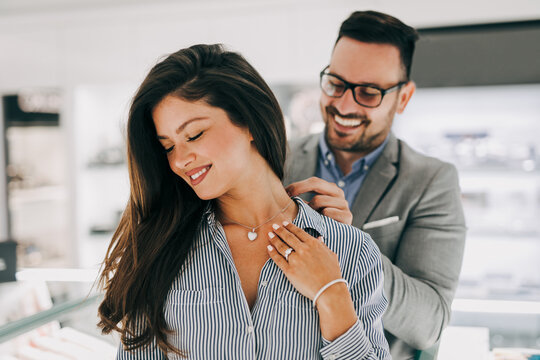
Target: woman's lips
pixel 198 174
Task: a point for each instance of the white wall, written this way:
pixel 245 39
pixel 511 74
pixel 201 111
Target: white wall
pixel 285 40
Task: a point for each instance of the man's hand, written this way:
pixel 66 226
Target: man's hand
pixel 329 199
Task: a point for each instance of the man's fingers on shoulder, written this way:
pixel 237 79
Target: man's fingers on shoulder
pixel 297 188
pixel 316 185
pixel 290 189
pixel 338 215
pixel 315 203
pixel 324 187
pixel 327 201
pixel 302 187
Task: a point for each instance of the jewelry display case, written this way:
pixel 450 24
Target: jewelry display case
pixel 52 313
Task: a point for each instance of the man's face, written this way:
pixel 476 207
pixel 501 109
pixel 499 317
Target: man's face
pixel 352 127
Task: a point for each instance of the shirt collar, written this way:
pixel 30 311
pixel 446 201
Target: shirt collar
pixel 326 154
pixel 307 218
pixel 359 164
pixel 374 155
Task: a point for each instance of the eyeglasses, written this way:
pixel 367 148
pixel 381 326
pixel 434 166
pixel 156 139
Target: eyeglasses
pixel 366 95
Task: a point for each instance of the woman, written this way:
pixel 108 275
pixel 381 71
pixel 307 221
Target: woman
pixel 210 259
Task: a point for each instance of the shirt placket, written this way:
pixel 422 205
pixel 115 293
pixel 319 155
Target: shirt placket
pixel 263 310
pixel 248 330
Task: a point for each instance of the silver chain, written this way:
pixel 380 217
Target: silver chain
pixel 266 222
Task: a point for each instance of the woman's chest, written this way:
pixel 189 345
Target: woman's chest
pixel 249 259
pixel 210 299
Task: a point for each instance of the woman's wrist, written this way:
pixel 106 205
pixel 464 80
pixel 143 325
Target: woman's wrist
pixel 325 287
pixel 336 311
pixel 332 297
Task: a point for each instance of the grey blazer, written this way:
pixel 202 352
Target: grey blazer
pixel 422 248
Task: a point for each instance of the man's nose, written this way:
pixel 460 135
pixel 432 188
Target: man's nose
pixel 346 103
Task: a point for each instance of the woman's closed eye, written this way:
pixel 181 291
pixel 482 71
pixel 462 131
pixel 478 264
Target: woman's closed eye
pixel 192 138
pixel 189 139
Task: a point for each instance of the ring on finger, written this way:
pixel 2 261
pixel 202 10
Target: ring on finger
pixel 288 252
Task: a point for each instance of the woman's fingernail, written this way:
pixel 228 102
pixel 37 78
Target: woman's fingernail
pixel 320 238
pixel 271 235
pixel 285 223
pixel 270 248
pixel 275 226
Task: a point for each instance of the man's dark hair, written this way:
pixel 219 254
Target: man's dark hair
pixel 379 28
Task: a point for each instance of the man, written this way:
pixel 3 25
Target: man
pixel 409 203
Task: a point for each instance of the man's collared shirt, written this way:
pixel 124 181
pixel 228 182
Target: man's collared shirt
pixel 209 316
pixel 327 169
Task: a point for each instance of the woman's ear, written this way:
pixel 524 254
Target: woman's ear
pixel 405 95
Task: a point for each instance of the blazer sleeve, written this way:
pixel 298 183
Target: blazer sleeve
pixel 422 280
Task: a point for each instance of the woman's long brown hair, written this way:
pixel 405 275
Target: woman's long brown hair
pixel 160 222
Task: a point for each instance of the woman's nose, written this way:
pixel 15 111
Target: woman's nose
pixel 182 157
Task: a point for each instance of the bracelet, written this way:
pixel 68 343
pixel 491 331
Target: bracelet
pixel 326 287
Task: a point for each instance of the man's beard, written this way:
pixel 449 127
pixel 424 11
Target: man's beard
pixel 362 144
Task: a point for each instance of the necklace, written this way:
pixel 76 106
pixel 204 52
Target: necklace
pixel 252 235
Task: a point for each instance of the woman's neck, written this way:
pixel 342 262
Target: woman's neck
pixel 255 203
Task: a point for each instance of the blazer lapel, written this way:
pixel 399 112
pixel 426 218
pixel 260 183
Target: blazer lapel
pixel 376 182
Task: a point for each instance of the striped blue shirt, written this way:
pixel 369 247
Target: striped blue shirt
pixel 210 318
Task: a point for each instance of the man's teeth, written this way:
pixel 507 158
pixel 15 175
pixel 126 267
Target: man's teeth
pixel 347 122
pixel 195 176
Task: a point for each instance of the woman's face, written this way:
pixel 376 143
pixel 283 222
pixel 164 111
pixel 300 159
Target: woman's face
pixel 203 146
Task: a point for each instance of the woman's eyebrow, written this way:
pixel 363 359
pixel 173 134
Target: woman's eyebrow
pixel 181 127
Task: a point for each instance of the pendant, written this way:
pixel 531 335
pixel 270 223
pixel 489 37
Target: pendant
pixel 252 235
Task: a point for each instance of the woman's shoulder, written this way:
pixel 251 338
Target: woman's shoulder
pixel 344 237
pixel 358 254
pixel 341 238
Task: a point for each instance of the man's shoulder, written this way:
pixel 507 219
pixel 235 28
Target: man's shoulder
pixel 303 143
pixel 416 163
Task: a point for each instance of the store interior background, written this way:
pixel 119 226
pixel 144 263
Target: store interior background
pixel 68 183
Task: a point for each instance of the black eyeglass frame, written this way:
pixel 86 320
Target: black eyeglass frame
pixel 352 86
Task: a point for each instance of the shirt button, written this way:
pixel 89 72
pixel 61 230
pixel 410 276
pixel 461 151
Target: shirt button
pixel 264 283
pixel 329 156
pixel 332 357
pixel 250 329
pixel 366 168
pixel 326 162
pixel 341 183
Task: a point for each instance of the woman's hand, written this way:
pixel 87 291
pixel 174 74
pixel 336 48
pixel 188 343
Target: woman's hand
pixel 309 267
pixel 329 199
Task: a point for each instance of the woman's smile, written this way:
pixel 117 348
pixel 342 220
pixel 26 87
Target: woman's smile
pixel 198 174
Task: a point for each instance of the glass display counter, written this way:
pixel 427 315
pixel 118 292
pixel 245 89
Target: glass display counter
pixel 52 314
